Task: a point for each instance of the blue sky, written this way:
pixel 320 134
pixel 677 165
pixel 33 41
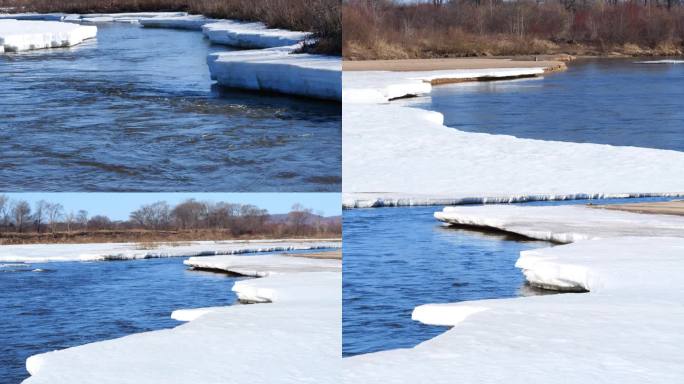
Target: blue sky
pixel 118 205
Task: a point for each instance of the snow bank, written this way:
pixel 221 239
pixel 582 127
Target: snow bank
pixel 565 223
pixel 253 266
pixel 251 35
pixel 667 61
pixel 22 35
pixel 278 70
pixel 392 150
pixel 40 253
pixel 191 22
pixel 293 339
pixel 628 329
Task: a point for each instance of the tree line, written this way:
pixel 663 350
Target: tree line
pixel 19 216
pixel 383 29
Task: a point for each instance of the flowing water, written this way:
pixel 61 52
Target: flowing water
pixel 136 110
pixel 396 259
pixel 604 101
pixel 51 306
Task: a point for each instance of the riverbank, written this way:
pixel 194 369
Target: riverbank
pixel 629 306
pixel 395 154
pixel 297 323
pixel 675 207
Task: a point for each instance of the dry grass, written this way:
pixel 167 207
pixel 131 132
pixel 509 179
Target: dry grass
pixel 463 28
pixel 144 239
pixel 319 16
pixel 330 255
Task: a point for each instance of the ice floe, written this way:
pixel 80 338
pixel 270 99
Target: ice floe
pixel 251 35
pixel 395 154
pixel 191 22
pixel 564 223
pixel 628 327
pixel 294 338
pixel 40 253
pixel 664 61
pixel 279 70
pixel 24 35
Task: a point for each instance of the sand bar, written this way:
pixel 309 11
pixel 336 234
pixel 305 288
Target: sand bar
pixel 411 65
pixel 675 207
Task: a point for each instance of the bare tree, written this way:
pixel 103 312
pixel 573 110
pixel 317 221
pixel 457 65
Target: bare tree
pixel 69 220
pixel 156 215
pixel 298 217
pixel 21 213
pixel 82 218
pixel 39 214
pixel 189 214
pixel 99 222
pixel 4 211
pixel 53 212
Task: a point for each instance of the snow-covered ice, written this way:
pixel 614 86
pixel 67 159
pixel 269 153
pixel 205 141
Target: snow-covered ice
pixel 294 338
pixel 664 61
pixel 279 70
pixel 394 154
pixel 24 35
pixel 628 327
pixel 253 266
pixel 251 35
pixel 40 253
pixel 191 22
pixel 563 223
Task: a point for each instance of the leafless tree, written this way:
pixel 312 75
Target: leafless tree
pixel 4 211
pixel 53 212
pixel 156 215
pixel 298 217
pixel 21 213
pixel 40 210
pixel 82 218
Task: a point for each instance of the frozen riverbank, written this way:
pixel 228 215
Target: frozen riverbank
pixel 40 253
pixel 23 35
pixel 396 155
pixel 297 332
pixel 627 328
pixel 281 70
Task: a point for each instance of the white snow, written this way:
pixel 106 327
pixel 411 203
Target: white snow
pixel 664 61
pixel 24 35
pixel 629 327
pixel 395 154
pixel 278 70
pixel 191 22
pixel 253 266
pixel 294 338
pixel 564 223
pixel 251 35
pixel 41 253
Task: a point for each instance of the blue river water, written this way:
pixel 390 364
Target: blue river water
pixel 604 101
pixel 136 110
pixel 51 306
pixel 396 259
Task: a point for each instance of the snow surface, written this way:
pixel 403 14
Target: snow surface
pixel 251 35
pixel 394 154
pixel 41 253
pixel 295 338
pixel 629 327
pixel 278 70
pixel 564 223
pixel 665 61
pixel 253 266
pixel 24 35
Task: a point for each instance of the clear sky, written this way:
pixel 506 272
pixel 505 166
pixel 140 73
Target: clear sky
pixel 117 206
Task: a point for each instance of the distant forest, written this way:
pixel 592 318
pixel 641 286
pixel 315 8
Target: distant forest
pixel 319 16
pixel 383 29
pixel 190 220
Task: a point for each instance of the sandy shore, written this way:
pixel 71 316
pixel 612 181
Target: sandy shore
pixel 664 208
pixel 333 255
pixel 449 64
